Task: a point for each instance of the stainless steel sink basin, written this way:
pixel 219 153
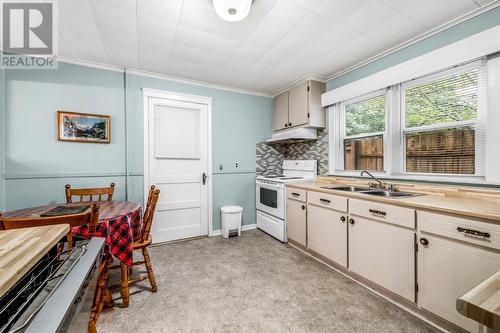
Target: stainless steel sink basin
pixel 391 194
pixel 346 188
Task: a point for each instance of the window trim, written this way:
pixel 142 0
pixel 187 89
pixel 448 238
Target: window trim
pixel 339 119
pixel 395 129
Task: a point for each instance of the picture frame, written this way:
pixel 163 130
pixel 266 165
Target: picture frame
pixel 83 127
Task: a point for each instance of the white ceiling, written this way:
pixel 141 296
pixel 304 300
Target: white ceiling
pixel 280 41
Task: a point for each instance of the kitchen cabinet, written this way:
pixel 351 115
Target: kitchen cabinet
pixel 296 221
pixel 300 106
pixel 383 253
pixel 281 111
pixel 327 233
pixel 450 263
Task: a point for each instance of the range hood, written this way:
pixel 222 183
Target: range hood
pixel 294 135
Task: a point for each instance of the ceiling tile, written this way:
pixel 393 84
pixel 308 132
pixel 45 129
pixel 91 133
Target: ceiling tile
pixel 179 67
pixel 122 56
pixel 153 45
pixel 113 36
pixel 191 37
pixel 432 13
pixel 399 4
pixel 181 52
pixel 396 29
pixel 110 16
pixel 153 62
pixel 249 51
pixel 369 15
pixel 212 60
pixel 169 10
pixel 156 28
pixel 311 28
pixel 222 45
pixel 125 4
pixel 339 10
pixel 307 4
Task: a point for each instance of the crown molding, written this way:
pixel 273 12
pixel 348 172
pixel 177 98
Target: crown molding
pixel 164 77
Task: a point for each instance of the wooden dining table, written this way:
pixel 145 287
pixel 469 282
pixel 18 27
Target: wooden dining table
pixel 119 223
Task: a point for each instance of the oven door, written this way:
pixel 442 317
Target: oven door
pixel 271 199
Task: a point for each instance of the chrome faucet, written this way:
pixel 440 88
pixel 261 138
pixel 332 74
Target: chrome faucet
pixel 373 177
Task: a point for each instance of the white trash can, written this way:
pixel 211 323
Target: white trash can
pixel 231 220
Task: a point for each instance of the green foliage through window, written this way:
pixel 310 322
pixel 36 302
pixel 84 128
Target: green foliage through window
pixel 366 116
pixel 446 100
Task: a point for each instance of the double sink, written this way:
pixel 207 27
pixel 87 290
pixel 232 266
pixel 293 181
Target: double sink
pixel 372 191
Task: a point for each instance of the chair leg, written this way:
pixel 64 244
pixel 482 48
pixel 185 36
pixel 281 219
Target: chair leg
pixel 124 285
pixel 149 268
pixel 99 296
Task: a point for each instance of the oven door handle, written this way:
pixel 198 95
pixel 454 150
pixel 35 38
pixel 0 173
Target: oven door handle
pixel 270 186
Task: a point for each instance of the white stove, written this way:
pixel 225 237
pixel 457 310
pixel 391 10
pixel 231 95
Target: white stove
pixel 271 198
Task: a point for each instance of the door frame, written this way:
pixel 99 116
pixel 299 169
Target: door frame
pixel 148 93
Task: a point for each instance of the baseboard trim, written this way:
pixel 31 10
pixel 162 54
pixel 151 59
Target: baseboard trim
pixel 244 227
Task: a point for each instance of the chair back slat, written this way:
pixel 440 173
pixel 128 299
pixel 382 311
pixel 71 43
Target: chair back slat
pixel 89 192
pixel 90 217
pixel 149 211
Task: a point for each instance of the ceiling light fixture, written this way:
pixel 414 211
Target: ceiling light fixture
pixel 232 10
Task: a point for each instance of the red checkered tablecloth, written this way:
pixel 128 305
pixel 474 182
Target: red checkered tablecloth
pixel 119 222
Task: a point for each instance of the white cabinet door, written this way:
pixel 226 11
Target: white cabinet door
pixel 298 105
pixel 327 233
pixel 384 254
pixel 447 269
pixel 281 111
pixel 296 221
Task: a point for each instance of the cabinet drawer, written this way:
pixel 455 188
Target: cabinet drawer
pixel 377 211
pixel 467 230
pixel 327 200
pixel 297 194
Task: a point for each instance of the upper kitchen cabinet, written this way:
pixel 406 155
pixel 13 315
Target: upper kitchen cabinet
pixel 300 106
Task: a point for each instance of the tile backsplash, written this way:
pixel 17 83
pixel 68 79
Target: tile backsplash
pixel 269 157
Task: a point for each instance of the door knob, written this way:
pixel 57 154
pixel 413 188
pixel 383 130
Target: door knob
pixel 351 221
pixel 424 241
pixel 342 218
pixel 204 178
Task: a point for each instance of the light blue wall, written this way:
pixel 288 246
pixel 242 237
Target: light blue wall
pixel 37 165
pixel 239 121
pixel 465 29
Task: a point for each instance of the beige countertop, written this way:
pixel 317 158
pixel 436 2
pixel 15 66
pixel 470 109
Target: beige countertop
pixel 473 202
pixel 20 249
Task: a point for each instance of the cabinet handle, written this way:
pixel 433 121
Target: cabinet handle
pixel 286 125
pixel 289 124
pixel 325 201
pixel 342 218
pixel 377 212
pixel 351 221
pixel 424 241
pixel 295 194
pixel 474 232
pixel 303 207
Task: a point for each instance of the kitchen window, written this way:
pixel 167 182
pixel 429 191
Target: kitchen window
pixel 441 124
pixel 433 127
pixel 362 133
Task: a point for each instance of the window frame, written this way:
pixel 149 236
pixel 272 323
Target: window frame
pixel 395 129
pixel 339 121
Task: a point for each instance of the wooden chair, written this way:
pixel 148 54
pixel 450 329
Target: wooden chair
pixel 89 192
pixel 141 243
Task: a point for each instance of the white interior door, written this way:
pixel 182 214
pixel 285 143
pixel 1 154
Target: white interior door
pixel 177 160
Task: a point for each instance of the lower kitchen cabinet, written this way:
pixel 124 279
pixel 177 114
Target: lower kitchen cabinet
pixel 296 221
pixel 447 269
pixel 327 233
pixel 384 254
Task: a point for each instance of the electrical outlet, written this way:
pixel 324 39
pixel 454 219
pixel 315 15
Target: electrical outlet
pixel 236 165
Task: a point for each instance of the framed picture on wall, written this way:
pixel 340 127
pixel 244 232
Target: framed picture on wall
pixel 83 127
